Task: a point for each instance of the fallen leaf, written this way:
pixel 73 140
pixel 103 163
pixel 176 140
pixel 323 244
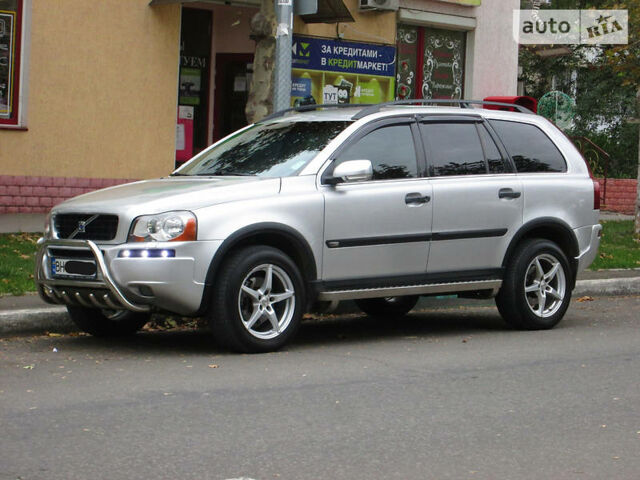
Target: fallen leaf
pixel 586 298
pixel 213 365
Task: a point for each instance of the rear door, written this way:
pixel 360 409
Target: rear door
pixel 477 198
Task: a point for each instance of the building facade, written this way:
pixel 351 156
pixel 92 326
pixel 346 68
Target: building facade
pixel 99 92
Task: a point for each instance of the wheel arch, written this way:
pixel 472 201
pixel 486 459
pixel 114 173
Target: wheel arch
pixel 552 229
pixel 276 235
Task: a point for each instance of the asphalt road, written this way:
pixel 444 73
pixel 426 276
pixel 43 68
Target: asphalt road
pixel 448 394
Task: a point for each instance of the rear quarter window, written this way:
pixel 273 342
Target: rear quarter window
pixel 530 148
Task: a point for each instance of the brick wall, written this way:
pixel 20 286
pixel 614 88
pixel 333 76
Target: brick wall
pixel 22 194
pixel 620 195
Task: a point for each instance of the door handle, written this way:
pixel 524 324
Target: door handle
pixel 508 193
pixel 416 198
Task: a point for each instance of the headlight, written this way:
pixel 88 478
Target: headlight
pixel 164 227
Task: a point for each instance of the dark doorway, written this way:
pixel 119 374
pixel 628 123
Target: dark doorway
pixel 233 76
pixel 193 84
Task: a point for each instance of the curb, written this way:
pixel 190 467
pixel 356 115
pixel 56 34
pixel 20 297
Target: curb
pixel 35 320
pixel 55 319
pixel 607 287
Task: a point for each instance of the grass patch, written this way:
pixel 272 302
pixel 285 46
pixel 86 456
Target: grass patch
pixel 17 262
pixel 618 248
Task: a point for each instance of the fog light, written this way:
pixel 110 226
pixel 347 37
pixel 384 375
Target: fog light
pixel 147 253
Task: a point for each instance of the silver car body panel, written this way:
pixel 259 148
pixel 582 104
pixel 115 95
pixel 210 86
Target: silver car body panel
pixel 464 227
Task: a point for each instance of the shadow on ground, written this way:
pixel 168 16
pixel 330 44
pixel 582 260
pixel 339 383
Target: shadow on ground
pixel 315 331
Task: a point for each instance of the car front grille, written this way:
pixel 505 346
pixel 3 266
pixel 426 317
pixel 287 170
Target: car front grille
pixel 86 226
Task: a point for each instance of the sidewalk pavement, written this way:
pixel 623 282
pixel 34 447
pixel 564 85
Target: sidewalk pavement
pixel 28 314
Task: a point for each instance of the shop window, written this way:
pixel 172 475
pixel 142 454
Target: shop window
pixel 430 63
pixel 11 50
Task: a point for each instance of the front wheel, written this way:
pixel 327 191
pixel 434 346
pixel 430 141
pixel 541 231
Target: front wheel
pixel 107 323
pixel 258 300
pixel 536 290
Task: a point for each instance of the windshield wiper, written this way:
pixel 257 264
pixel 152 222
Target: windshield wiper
pixel 178 174
pixel 224 174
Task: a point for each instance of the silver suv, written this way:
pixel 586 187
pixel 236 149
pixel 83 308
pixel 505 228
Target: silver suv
pixel 380 204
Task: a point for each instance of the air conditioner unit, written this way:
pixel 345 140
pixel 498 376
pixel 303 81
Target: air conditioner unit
pixel 379 5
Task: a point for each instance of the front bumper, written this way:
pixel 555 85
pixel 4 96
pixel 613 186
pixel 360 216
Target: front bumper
pixel 174 284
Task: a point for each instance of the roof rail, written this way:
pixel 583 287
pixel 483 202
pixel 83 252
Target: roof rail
pixel 426 101
pixel 306 108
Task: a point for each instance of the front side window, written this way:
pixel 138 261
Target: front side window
pixel 390 150
pixel 278 149
pixel 453 149
pixel 529 147
pixel 11 13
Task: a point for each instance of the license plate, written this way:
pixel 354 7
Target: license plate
pixel 67 267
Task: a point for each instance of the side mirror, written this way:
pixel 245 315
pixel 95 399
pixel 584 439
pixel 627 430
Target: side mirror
pixel 351 171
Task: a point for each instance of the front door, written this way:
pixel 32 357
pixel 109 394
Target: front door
pixel 379 228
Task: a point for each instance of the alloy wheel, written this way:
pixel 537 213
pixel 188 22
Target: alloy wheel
pixel 266 301
pixel 545 285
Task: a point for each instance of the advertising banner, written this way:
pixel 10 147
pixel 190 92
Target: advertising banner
pixel 337 72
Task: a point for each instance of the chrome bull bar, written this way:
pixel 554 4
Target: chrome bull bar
pixel 102 293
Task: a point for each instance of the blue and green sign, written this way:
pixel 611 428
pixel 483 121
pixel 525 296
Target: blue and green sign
pixel 330 71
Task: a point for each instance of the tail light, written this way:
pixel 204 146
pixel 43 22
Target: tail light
pixel 596 194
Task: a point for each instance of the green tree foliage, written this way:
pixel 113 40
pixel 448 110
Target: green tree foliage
pixel 604 90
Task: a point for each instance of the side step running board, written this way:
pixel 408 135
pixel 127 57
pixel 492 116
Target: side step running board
pixel 425 289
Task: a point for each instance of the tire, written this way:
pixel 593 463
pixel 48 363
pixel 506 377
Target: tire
pixel 107 323
pixel 250 313
pixel 387 306
pixel 524 301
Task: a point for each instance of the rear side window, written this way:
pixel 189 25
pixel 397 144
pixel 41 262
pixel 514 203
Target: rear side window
pixel 453 149
pixel 529 147
pixel 495 162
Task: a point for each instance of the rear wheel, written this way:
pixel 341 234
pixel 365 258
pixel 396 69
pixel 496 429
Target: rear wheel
pixel 536 290
pixel 107 323
pixel 387 306
pixel 258 300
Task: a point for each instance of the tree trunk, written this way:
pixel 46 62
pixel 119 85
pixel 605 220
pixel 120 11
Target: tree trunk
pixel 263 29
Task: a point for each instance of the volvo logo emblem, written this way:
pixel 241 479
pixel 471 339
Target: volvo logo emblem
pixel 82 226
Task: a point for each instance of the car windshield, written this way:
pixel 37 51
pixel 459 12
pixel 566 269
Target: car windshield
pixel 278 149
